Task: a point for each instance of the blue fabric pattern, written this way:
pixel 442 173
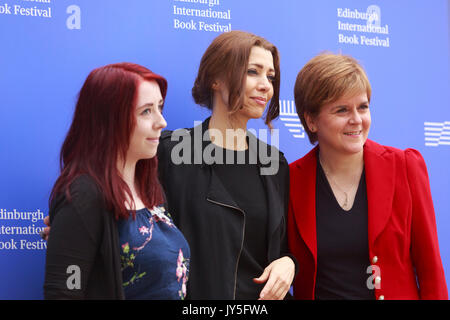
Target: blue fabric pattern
pixel 154 256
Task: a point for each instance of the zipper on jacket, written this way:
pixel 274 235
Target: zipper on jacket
pixel 242 242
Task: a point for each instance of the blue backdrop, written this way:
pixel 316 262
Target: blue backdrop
pixel 49 47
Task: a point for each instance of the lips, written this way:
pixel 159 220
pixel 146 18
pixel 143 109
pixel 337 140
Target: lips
pixel 153 139
pixel 260 100
pixel 353 133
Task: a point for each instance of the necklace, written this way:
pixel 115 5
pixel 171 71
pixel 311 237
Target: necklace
pixel 345 204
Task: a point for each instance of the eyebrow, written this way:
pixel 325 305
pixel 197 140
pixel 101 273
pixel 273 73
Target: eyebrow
pixel 346 105
pixel 260 66
pixel 151 104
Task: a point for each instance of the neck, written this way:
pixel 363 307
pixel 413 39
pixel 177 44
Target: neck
pixel 127 171
pixel 227 131
pixel 338 164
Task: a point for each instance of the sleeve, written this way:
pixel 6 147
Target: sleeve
pixel 73 245
pixel 424 240
pixel 284 176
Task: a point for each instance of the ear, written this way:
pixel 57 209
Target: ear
pixel 216 85
pixel 310 122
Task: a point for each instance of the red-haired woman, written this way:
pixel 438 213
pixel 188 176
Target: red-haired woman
pixel 112 237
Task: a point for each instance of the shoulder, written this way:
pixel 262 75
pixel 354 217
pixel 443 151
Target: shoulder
pixel 85 191
pixel 270 150
pixel 306 161
pixel 168 135
pixel 85 199
pixel 408 154
pixel 170 138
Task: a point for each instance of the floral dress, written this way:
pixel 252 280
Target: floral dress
pixel 154 256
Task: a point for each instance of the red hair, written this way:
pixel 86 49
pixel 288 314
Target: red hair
pixel 100 132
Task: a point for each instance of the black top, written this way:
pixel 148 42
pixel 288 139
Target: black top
pixel 342 244
pixel 243 182
pixel 84 235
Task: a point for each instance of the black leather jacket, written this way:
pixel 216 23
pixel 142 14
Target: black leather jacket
pixel 209 218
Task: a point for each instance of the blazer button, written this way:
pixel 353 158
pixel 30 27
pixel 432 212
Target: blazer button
pixel 378 280
pixel 374 259
pixel 381 297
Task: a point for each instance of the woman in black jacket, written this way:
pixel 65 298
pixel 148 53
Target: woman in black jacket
pixel 226 189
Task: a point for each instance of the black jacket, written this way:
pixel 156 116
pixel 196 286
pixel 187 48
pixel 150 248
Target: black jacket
pixel 209 218
pixel 84 234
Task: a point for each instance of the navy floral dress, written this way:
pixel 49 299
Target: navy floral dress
pixel 154 256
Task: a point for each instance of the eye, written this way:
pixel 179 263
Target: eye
pixel 146 111
pixel 364 106
pixel 271 78
pixel 341 110
pixel 252 71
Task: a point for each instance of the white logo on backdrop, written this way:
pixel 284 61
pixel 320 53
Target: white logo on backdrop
pixel 290 118
pixel 374 16
pixel 437 133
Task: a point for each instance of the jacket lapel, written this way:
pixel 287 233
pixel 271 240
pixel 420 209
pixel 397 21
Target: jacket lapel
pixel 303 187
pixel 216 190
pixel 380 182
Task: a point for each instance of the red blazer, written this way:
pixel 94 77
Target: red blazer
pixel 403 240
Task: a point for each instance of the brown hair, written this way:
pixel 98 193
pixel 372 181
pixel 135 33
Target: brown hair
pixel 324 79
pixel 226 58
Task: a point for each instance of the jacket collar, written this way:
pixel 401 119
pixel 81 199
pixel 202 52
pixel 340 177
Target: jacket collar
pixel 252 141
pixel 380 184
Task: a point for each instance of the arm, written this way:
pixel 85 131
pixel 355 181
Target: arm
pixel 424 240
pixel 280 273
pixel 76 232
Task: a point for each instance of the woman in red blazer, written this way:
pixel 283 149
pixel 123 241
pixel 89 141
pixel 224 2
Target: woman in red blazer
pixel 361 219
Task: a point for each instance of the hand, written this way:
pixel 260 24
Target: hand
pixel 46 232
pixel 279 275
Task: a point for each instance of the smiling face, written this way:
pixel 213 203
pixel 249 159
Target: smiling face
pixel 258 84
pixel 342 126
pixel 149 122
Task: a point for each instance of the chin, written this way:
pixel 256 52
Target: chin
pixel 257 114
pixel 355 148
pixel 252 112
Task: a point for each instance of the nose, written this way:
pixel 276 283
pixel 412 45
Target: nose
pixel 264 84
pixel 160 123
pixel 355 117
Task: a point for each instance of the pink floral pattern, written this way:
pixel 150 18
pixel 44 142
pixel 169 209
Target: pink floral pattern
pixel 182 268
pixel 141 241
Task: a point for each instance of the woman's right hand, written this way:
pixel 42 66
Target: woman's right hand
pixel 46 232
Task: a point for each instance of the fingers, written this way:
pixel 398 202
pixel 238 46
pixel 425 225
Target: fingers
pixel 265 275
pixel 275 289
pixel 281 274
pixel 46 231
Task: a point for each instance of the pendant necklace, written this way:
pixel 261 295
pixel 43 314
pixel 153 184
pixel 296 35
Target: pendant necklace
pixel 345 204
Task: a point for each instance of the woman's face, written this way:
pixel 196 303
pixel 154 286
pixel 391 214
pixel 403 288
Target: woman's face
pixel 144 139
pixel 342 126
pixel 258 85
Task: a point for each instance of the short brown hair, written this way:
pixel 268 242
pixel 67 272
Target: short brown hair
pixel 324 79
pixel 226 58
